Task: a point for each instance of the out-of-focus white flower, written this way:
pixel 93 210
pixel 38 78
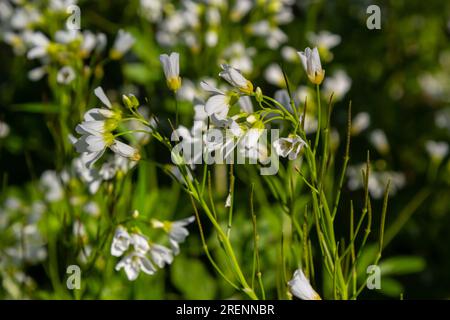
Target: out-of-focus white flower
pixel 290 146
pixel 30 245
pixel 4 129
pixel 236 79
pixel 240 9
pixel 160 255
pixel 301 288
pixel 124 41
pixel 240 57
pixel 311 63
pixel 379 140
pixel 377 180
pixel 133 263
pixel 171 67
pixel 51 184
pixel 324 39
pixel 273 35
pixel 434 85
pixel 274 75
pixel 37 73
pixel 65 75
pixel 360 123
pixel 40 46
pixel 437 150
pixel 16 41
pixel 289 54
pixel 338 85
pixel 121 242
pixel 152 9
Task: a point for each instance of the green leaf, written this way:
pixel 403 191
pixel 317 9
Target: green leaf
pixel 402 265
pixel 192 279
pixel 391 287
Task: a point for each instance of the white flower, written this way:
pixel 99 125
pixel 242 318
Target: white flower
pixel 178 233
pixel 51 184
pixel 290 146
pixel 240 9
pixel 379 140
pixel 274 75
pixel 140 243
pixel 65 75
pixel 240 57
pixel 360 123
pixel 338 85
pixel 40 45
pixel 37 73
pixel 4 129
pixel 236 79
pixel 289 54
pixel 311 63
pixel 133 263
pixel 121 242
pixel 437 150
pixel 161 255
pixel 124 41
pixel 171 67
pixel 96 133
pixel 176 230
pixel 301 288
pixel 324 39
pixel 219 102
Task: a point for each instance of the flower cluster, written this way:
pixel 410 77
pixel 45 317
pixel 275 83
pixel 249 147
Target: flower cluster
pixel 140 254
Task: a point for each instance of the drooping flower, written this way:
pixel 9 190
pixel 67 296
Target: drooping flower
pixel 301 288
pixel 176 229
pixel 289 147
pixel 171 67
pixel 160 255
pixel 178 233
pixel 135 262
pixel 311 63
pixel 236 79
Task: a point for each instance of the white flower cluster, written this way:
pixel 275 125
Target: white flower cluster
pixel 21 27
pixel 139 254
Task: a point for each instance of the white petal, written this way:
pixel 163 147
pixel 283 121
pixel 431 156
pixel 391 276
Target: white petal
pixel 102 96
pixel 209 88
pixel 218 105
pixel 123 149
